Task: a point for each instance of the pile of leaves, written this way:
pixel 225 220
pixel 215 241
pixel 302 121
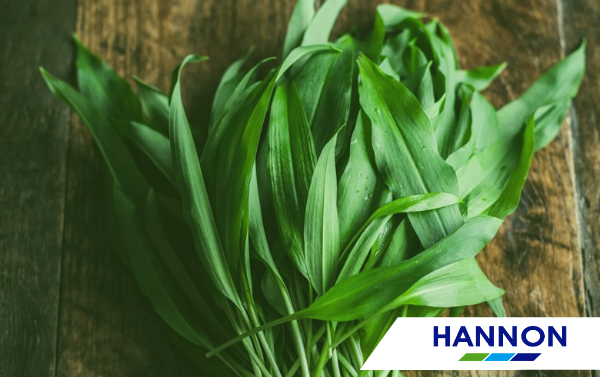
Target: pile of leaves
pixel 348 186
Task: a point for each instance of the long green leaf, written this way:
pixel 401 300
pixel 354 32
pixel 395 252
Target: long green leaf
pixel 148 272
pixel 321 232
pixel 110 93
pixel 301 52
pixel 325 88
pixel 158 237
pixel 154 145
pixel 196 205
pixel 360 295
pixel 320 27
pixel 373 226
pixel 457 284
pixel 359 191
pixel 113 149
pixel 229 81
pixel 485 177
pixel 302 15
pixel 393 15
pixel 481 77
pixel 155 104
pixel 291 161
pixel 405 150
pixel 508 201
pixel 548 120
pixel 561 81
pixel 227 162
pixel 220 116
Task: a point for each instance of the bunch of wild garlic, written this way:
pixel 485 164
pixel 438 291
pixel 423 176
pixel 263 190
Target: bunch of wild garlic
pixel 350 185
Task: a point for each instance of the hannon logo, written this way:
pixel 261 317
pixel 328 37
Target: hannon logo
pixel 463 343
pixel 500 335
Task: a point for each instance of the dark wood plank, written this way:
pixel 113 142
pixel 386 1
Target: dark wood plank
pixel 581 21
pixel 33 142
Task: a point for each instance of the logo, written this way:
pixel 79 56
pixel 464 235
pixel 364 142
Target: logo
pixel 500 335
pixel 488 344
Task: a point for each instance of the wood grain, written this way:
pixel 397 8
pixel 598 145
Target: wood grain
pixel 33 139
pixel 581 21
pixel 536 255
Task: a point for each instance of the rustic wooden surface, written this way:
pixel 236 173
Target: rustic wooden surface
pixel 68 307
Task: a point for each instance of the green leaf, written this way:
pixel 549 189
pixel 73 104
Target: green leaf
pixel 372 43
pixel 386 67
pixel 497 307
pixel 256 227
pixel 321 232
pixel 196 205
pixel 560 82
pixel 373 226
pixel 259 240
pixel 415 203
pixel 110 93
pixel 120 162
pixel 487 177
pixel 320 27
pixel 398 244
pixel 300 52
pixel 464 130
pixel 444 56
pixel 291 162
pixel 360 251
pixel 413 57
pixel 458 284
pixel 436 109
pixel 393 50
pixel 405 150
pixel 421 85
pixel 361 295
pixel 508 201
pixel 229 81
pixel 302 15
pixel 148 273
pixel 359 190
pixel 153 144
pixel 234 99
pixel 174 266
pixel 271 292
pixel 393 15
pixel 548 120
pixel 325 88
pixel 481 77
pixel 485 122
pixel 155 104
pixel 227 161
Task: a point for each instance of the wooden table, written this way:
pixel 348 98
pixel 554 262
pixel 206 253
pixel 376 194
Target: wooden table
pixel 68 307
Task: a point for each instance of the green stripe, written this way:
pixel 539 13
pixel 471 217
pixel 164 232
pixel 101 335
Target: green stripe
pixel 474 357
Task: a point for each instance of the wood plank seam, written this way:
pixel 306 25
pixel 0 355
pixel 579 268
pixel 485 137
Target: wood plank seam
pixel 570 123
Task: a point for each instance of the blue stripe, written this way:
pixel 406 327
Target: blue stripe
pixel 525 357
pixel 499 357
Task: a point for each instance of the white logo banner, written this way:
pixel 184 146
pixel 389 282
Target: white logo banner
pixel 488 344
